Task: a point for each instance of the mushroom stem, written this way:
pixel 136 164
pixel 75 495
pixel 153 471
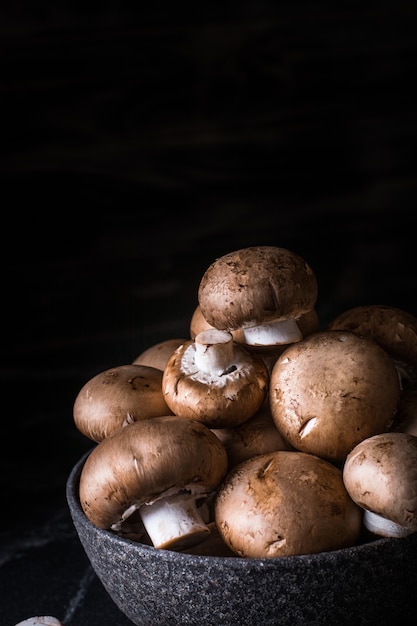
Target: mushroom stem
pixel 213 351
pixel 273 333
pixel 384 527
pixel 174 522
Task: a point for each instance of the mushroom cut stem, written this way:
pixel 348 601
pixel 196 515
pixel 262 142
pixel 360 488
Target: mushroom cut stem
pixel 272 333
pixel 214 351
pixel 384 527
pixel 174 523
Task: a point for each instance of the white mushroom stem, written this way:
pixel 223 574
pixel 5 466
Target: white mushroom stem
pixel 214 351
pixel 384 527
pixel 174 522
pixel 273 333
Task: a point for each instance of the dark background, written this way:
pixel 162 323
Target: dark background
pixel 138 145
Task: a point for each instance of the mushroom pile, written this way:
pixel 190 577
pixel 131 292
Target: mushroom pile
pixel 262 434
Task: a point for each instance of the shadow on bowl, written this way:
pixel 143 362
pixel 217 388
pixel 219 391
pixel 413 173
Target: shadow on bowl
pixel 372 583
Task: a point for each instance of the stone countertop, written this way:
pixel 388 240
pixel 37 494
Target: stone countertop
pixel 139 146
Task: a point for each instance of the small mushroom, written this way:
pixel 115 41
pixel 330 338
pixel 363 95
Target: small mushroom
pixel 392 328
pixel 286 503
pixel 331 390
pixel 164 468
pixel 158 354
pixel 214 380
pixel 380 474
pixel 257 435
pixel 261 290
pixel 116 397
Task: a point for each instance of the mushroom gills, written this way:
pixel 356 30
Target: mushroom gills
pixel 175 522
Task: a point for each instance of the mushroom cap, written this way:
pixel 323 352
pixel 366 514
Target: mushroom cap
pixel 331 390
pixel 255 285
pixel 286 503
pixel 217 401
pixel 158 354
pixel 257 435
pixel 380 474
pixel 116 397
pixel 392 328
pixel 147 460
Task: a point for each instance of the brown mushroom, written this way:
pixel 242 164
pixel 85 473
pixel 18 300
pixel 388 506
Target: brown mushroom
pixel 261 290
pixel 158 354
pixel 331 390
pixel 215 380
pixel 257 435
pixel 380 474
pixel 286 503
pixel 162 467
pixel 116 397
pixel 392 328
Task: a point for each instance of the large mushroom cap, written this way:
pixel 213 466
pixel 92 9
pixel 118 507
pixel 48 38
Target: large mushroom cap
pixel 380 474
pixel 392 328
pixel 116 397
pixel 146 461
pixel 286 503
pixel 331 390
pixel 255 285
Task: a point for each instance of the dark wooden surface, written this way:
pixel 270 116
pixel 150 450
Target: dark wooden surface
pixel 139 145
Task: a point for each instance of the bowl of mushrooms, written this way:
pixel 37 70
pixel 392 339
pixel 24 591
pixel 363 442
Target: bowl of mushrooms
pixel 262 470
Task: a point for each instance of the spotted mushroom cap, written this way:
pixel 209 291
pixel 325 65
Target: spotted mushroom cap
pixel 147 460
pixel 116 397
pixel 285 503
pixel 392 328
pixel 255 285
pixel 331 390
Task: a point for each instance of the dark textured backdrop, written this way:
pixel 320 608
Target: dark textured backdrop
pixel 138 145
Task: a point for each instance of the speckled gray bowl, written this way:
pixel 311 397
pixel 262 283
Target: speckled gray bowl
pixel 373 583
